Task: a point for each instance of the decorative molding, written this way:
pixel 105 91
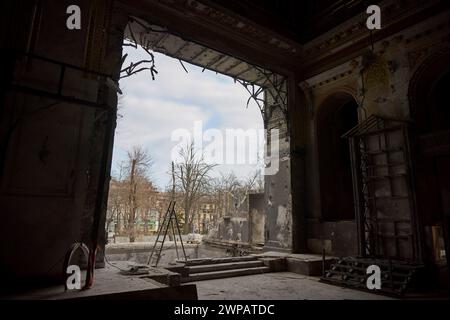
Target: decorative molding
pixel 332 79
pixel 419 55
pixel 428 32
pixel 414 56
pixel 325 54
pixel 392 12
pixel 233 23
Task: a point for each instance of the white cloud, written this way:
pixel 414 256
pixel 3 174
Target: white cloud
pixel 152 110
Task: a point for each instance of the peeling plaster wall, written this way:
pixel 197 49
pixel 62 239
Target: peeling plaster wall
pixel 234 229
pixel 278 221
pixel 248 227
pixel 378 84
pixel 231 228
pixel 257 218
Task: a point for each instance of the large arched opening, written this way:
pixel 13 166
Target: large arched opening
pixel 337 115
pixel 430 112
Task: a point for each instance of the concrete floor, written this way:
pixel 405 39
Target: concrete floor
pixel 277 286
pixel 109 284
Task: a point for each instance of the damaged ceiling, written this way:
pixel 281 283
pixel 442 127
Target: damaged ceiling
pixel 300 21
pixel 160 40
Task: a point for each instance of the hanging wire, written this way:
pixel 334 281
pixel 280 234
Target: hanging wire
pixel 275 84
pixel 141 65
pixel 181 62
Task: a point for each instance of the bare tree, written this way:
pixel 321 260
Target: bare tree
pixel 259 183
pixel 137 168
pixel 114 205
pixel 237 190
pixel 139 163
pixel 132 196
pixel 191 175
pixel 230 193
pixel 115 208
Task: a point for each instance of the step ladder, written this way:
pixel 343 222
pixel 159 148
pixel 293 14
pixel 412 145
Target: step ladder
pixel 169 224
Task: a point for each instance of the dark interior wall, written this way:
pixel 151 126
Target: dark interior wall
pixel 337 115
pixel 329 220
pixel 439 117
pixel 257 208
pixel 428 93
pixel 435 120
pixel 300 148
pixel 337 238
pixel 51 159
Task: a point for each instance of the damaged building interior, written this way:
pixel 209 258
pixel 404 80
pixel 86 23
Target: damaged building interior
pixel 364 135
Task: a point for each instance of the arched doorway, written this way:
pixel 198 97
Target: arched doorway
pixel 430 111
pixel 337 115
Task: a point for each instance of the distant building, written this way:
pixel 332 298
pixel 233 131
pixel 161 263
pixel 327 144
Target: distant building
pixel 205 216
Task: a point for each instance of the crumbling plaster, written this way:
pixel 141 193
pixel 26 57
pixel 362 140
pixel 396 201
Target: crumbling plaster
pixel 379 87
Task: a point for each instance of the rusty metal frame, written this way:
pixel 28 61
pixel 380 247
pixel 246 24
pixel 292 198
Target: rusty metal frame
pixel 365 200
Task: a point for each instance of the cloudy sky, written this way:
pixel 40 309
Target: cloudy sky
pixel 153 110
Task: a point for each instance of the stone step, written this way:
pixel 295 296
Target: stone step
pixel 225 274
pixel 205 261
pixel 224 266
